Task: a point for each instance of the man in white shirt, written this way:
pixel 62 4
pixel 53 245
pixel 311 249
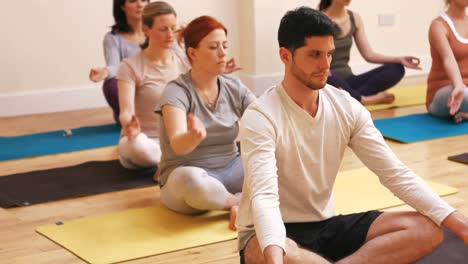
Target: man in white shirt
pixel 293 139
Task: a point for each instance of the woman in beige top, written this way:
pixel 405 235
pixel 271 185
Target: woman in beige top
pixel 141 80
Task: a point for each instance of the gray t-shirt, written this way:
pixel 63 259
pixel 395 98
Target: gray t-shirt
pixel 218 149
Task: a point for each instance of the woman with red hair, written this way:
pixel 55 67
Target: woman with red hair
pixel 200 165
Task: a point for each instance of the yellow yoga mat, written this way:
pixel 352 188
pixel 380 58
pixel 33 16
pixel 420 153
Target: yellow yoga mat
pixel 139 233
pixel 404 96
pixel 360 190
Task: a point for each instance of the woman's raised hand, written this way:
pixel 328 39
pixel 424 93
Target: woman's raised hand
pixel 410 62
pixel 98 74
pixel 195 128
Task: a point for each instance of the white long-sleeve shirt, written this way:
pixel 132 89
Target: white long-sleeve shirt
pixel 291 160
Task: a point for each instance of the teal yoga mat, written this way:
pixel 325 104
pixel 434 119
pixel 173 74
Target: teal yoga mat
pixel 419 127
pixel 57 142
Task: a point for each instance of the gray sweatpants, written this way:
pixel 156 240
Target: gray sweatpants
pixel 140 152
pixel 191 190
pixel 439 105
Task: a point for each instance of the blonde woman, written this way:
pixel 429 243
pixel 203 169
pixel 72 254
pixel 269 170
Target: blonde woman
pixel 142 79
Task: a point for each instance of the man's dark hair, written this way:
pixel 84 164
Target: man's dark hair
pixel 301 23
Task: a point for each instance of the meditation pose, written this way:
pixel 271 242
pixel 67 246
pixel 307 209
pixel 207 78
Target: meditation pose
pixel 293 139
pixel 447 94
pixel 200 166
pixel 369 87
pixel 122 41
pixel 142 79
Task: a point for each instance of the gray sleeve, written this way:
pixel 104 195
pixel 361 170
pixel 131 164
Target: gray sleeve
pixel 176 96
pixel 247 96
pixel 111 54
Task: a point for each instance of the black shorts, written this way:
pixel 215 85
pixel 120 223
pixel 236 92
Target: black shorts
pixel 334 238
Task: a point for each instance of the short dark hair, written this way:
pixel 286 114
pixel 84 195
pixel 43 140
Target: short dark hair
pixel 301 23
pixel 120 18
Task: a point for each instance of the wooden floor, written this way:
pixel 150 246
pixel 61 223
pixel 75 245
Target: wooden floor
pixel 19 243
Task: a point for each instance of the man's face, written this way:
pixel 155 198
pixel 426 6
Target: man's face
pixel 310 64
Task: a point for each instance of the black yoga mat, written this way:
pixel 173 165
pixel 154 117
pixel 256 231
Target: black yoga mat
pixel 68 182
pixel 451 251
pixel 462 158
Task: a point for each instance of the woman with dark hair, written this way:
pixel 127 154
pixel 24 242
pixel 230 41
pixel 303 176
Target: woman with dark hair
pixel 201 167
pixel 122 41
pixel 141 80
pixel 368 87
pixel 447 93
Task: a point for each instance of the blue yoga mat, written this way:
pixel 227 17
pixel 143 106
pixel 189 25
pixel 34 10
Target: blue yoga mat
pixel 56 142
pixel 419 127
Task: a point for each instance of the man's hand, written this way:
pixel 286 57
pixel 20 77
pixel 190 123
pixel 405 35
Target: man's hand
pixel 458 224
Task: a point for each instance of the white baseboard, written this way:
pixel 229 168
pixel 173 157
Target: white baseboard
pixel 84 97
pixel 47 101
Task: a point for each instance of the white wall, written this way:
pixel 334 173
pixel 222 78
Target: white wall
pixel 408 36
pixel 49 45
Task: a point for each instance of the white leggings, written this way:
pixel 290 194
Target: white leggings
pixel 141 152
pixel 439 105
pixel 191 190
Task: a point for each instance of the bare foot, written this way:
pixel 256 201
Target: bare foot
pixel 232 217
pixel 460 117
pixel 380 98
pixel 156 175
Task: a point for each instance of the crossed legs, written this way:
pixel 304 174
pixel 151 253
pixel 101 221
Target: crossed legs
pixel 439 105
pixel 395 237
pixel 191 190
